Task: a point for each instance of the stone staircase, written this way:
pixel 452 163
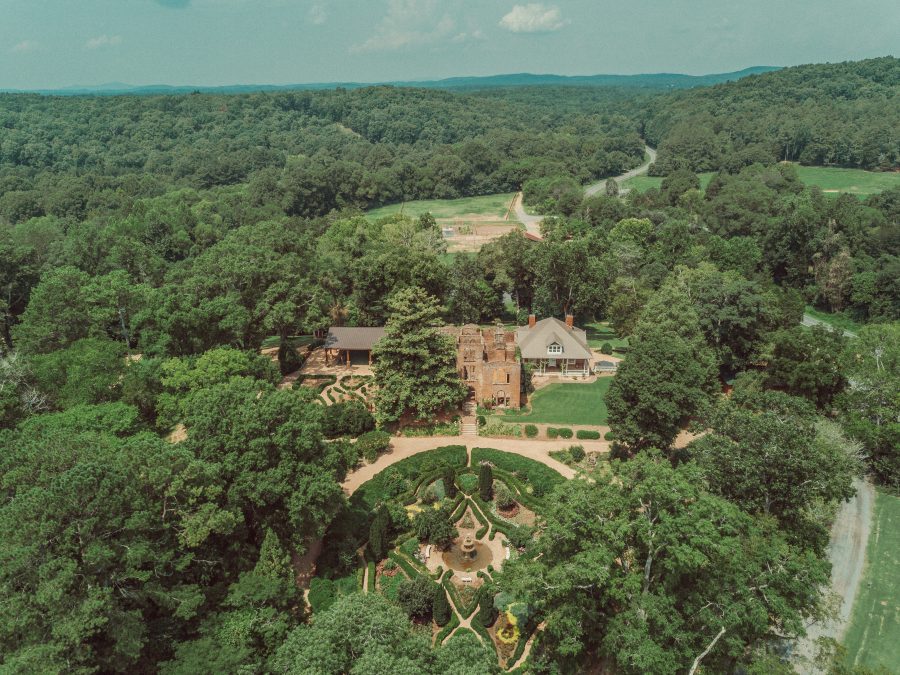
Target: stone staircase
pixel 468 425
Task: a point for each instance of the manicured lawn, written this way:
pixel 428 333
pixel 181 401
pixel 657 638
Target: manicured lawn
pixel 295 341
pixel 839 321
pixel 566 403
pixel 873 637
pixel 600 332
pixel 493 206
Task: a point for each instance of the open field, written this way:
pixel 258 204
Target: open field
pixel 600 332
pixel 566 403
pixel 468 223
pixel 831 180
pixel 873 637
pixel 490 207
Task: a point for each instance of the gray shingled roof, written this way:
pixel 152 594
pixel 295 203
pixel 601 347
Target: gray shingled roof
pixel 354 339
pixel 533 342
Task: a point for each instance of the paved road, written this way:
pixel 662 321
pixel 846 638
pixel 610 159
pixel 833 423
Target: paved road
pixel 533 223
pixel 812 321
pixel 847 554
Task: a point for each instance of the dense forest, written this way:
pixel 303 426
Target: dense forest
pixel 150 246
pixel 844 114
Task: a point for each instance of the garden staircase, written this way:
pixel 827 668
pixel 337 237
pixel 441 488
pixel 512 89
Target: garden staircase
pixel 468 425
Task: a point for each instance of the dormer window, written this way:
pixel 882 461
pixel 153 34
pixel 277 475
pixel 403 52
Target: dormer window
pixel 554 348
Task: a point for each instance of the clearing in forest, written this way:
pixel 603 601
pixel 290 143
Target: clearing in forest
pixel 467 223
pixel 873 637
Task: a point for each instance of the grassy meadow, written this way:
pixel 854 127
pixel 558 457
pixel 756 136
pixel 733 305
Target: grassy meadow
pixel 873 637
pixel 831 180
pixel 491 207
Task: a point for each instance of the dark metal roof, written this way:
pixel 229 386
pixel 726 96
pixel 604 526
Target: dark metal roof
pixel 354 339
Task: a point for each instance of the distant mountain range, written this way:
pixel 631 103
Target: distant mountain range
pixel 648 81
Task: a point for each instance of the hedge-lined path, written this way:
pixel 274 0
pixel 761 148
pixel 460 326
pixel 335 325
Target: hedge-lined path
pixel 464 623
pixel 402 447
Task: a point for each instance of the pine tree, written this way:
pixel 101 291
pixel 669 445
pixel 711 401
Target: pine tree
pixel 450 482
pixel 415 363
pixel 441 608
pixel 485 481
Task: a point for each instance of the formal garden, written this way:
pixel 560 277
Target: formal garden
pixel 431 532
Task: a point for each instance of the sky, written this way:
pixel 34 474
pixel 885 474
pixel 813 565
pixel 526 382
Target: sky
pixel 58 43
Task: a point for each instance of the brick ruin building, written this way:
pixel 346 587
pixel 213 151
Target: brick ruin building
pixel 487 363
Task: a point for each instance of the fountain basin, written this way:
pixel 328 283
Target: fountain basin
pixel 467 555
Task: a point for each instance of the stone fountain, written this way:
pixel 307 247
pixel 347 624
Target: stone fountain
pixel 467 555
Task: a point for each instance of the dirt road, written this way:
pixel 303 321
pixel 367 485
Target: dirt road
pixel 847 553
pixel 533 223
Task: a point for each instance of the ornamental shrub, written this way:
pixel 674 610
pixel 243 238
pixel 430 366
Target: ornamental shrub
pixel 346 418
pixel 449 480
pixel 587 435
pixel 503 497
pixel 485 481
pixel 373 443
pixel 531 431
pixel 609 436
pixel 565 432
pixel 606 348
pixel 577 452
pixel 552 432
pixel 440 611
pixel 487 613
pixel 482 420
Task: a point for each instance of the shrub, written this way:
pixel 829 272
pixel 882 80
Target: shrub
pixel 531 431
pixel 565 432
pixel 587 435
pixel 434 526
pixel 487 613
pixel 390 564
pixel 609 436
pixel 501 429
pixel 485 481
pixel 416 597
pixel 577 452
pixel 606 348
pixel 440 607
pixel 503 497
pixel 373 443
pixel 468 482
pixel 378 533
pixel 321 594
pixel 552 432
pixel 347 418
pixel 450 481
pixel 482 420
pixel 520 536
pixel 430 495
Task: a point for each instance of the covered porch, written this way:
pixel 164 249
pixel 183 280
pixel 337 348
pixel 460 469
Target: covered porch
pixel 561 367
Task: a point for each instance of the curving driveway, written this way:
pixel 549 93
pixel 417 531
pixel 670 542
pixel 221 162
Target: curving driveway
pixel 533 223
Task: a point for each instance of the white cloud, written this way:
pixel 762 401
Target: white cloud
pixel 318 14
pixel 415 23
pixel 533 18
pixel 103 41
pixel 25 46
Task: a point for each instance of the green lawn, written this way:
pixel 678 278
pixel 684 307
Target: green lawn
pixel 294 340
pixel 831 180
pixel 493 206
pixel 854 181
pixel 566 403
pixel 600 332
pixel 873 637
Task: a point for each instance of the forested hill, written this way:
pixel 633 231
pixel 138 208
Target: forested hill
pixel 644 81
pixel 844 114
pixel 307 152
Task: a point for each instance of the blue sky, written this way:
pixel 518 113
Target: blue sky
pixel 54 43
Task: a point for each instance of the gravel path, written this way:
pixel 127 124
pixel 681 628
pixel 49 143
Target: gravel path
pixel 402 447
pixel 533 223
pixel 808 320
pixel 847 553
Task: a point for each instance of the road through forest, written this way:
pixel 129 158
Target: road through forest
pixel 533 223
